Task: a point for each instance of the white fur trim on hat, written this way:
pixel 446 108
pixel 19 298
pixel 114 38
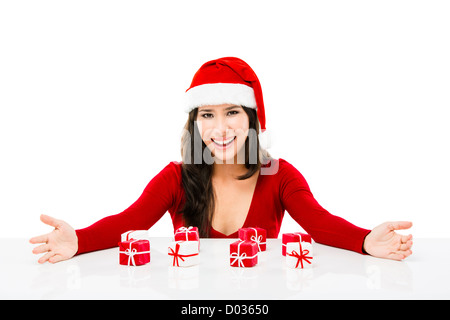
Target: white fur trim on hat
pixel 265 140
pixel 219 93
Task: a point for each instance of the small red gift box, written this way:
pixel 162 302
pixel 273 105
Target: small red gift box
pixel 243 254
pixel 187 234
pixel 294 237
pixel 134 252
pixel 257 235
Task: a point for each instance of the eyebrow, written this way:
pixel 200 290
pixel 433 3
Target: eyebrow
pixel 226 109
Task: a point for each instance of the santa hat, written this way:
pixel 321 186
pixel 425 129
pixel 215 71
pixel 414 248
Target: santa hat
pixel 226 80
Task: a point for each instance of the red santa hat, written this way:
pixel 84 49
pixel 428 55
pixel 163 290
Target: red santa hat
pixel 226 80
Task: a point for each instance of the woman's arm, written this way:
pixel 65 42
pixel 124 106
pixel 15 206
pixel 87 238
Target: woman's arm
pixel 64 242
pixel 323 226
pixel 332 230
pixel 158 196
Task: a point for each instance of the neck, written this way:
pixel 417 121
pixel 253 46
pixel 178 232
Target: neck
pixel 228 171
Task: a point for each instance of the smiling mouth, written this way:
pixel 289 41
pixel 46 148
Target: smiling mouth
pixel 223 143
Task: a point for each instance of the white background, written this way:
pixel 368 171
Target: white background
pixel 356 94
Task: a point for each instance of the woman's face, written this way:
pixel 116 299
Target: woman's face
pixel 224 129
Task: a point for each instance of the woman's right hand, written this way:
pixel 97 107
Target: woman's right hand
pixel 58 245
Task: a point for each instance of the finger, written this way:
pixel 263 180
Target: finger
pixel 399 225
pixel 406 246
pixel 406 238
pixel 399 255
pixel 404 253
pixel 50 220
pixel 56 258
pixel 45 257
pixel 40 239
pixel 41 249
pixel 395 256
pixel 407 253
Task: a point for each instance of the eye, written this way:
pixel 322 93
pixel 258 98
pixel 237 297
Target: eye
pixel 207 115
pixel 232 112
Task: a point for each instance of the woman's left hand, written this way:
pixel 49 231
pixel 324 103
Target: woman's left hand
pixel 384 242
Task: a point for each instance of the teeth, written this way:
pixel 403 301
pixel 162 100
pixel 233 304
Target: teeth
pixel 224 142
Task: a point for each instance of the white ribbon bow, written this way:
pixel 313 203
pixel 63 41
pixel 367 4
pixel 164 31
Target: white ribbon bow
pixel 184 230
pixel 131 253
pixel 240 257
pixel 257 239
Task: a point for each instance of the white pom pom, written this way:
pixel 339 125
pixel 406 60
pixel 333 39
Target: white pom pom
pixel 265 141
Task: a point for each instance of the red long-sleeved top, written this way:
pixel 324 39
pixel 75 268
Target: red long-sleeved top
pixel 285 190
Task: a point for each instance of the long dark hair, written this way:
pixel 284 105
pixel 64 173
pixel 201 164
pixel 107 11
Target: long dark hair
pixel 197 171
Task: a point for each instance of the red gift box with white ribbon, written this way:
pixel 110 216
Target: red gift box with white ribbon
pixel 134 252
pixel 294 237
pixel 257 235
pixel 243 254
pixel 187 234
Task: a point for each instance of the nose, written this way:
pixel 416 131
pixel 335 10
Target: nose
pixel 221 126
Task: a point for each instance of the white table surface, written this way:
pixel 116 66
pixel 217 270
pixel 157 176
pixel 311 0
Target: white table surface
pixel 337 274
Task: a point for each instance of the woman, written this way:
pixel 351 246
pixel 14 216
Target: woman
pixel 226 181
